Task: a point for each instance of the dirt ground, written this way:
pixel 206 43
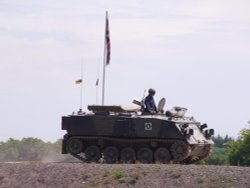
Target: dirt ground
pixel 37 174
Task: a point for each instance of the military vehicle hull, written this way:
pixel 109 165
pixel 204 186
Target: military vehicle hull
pixel 129 137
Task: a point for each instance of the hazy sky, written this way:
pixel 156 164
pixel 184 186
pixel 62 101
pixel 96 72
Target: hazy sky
pixel 196 54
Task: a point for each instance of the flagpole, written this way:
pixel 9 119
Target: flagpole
pixel 104 61
pixel 103 79
pixel 97 81
pixel 81 88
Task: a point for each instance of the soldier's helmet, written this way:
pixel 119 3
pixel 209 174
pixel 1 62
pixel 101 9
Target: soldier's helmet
pixel 151 91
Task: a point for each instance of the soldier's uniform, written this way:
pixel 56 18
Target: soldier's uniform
pixel 149 102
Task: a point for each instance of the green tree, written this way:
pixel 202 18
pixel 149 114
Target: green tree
pixel 239 151
pixel 9 150
pixel 221 142
pixel 218 157
pixel 31 149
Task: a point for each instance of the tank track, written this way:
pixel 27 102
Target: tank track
pixel 184 158
pixel 79 157
pixel 205 153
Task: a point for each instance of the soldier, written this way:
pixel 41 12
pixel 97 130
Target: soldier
pixel 149 103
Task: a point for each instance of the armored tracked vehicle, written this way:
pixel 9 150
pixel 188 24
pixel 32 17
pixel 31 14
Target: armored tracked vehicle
pixel 126 135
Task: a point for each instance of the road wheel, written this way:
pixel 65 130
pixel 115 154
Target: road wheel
pixel 162 155
pixel 74 145
pixel 111 154
pixel 92 153
pixel 180 151
pixel 145 155
pixel 128 155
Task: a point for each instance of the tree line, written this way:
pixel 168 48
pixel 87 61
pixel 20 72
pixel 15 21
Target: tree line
pixel 226 150
pixel 229 151
pixel 32 149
